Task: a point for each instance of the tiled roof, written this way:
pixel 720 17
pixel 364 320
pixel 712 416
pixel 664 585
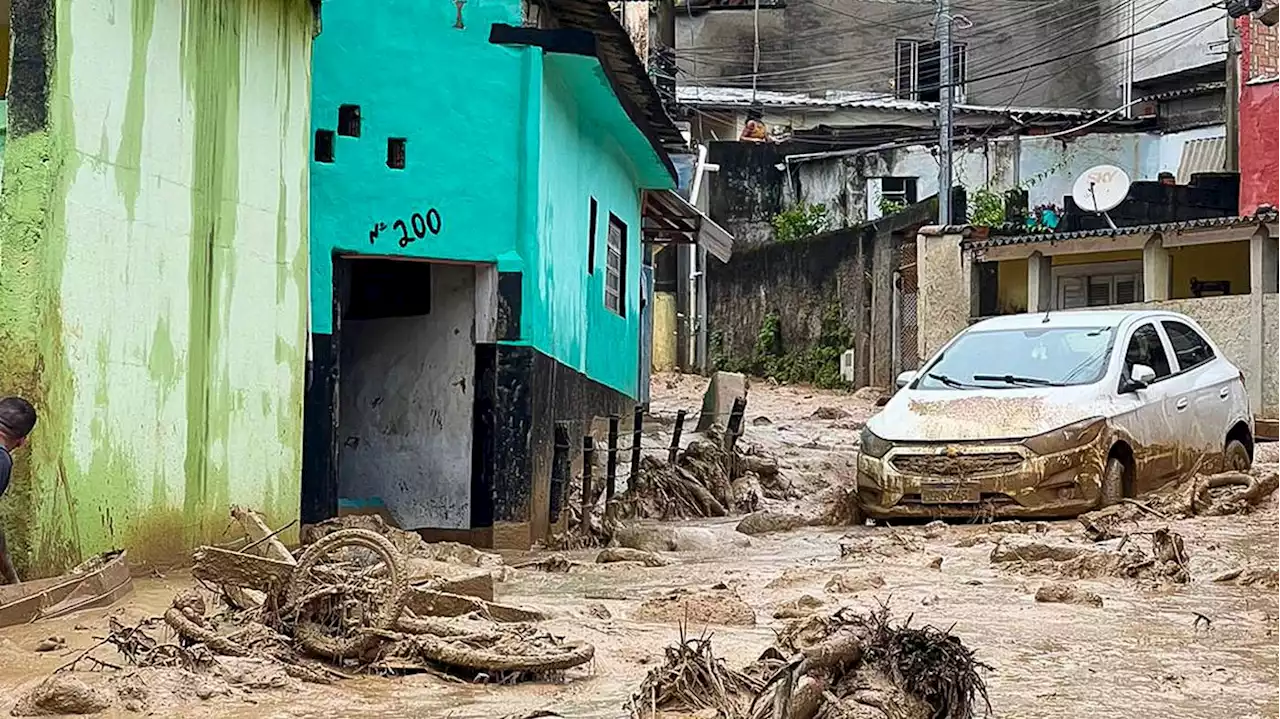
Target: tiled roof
pixel 997 240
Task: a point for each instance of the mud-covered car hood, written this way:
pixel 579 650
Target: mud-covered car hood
pixel 960 415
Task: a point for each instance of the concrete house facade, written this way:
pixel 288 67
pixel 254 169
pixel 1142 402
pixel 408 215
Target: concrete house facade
pixel 480 172
pixel 153 273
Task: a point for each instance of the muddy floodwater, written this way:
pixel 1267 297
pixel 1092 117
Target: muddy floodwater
pixel 1146 652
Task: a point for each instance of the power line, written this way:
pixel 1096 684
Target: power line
pixel 811 75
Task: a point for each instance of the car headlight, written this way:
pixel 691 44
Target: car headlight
pixel 874 446
pixel 1073 435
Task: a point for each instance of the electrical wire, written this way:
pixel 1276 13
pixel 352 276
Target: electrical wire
pixel 831 72
pixel 1046 73
pixel 979 77
pixel 727 117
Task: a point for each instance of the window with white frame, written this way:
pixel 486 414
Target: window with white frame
pixel 919 70
pixel 615 267
pixel 886 195
pixel 1097 285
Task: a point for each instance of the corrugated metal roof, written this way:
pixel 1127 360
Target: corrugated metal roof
pixel 743 97
pixel 1209 222
pixel 1205 155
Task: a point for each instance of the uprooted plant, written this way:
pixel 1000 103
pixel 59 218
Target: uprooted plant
pixel 824 667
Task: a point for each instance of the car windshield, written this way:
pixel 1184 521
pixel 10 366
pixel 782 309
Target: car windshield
pixel 1005 359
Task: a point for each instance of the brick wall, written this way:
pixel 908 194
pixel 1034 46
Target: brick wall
pixel 1259 55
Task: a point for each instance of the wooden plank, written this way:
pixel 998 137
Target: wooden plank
pixel 237 569
pixel 431 603
pixel 256 528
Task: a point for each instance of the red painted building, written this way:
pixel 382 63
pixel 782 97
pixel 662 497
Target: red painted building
pixel 1259 116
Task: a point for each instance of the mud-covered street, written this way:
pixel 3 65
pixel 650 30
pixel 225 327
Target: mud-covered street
pixel 1068 627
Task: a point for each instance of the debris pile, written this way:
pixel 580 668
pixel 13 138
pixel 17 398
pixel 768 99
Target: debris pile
pixel 1213 495
pixel 346 603
pixel 1164 559
pixel 710 478
pixel 823 667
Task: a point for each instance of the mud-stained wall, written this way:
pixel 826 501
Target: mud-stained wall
pixel 154 276
pixel 408 393
pixel 847 272
pixel 1270 357
pixel 944 288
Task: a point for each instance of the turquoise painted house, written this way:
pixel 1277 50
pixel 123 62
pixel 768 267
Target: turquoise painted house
pixel 485 177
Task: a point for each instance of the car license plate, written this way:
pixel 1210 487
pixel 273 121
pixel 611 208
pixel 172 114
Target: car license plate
pixel 950 493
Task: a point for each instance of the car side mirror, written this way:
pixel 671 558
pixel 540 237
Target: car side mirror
pixel 904 379
pixel 1140 377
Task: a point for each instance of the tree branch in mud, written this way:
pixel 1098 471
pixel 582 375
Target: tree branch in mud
pixel 842 665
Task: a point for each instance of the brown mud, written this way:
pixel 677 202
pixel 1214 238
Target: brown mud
pixel 1201 649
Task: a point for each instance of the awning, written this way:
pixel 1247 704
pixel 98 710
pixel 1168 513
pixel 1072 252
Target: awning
pixel 668 218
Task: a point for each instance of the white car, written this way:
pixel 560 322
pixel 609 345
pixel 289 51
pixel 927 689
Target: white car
pixel 1051 415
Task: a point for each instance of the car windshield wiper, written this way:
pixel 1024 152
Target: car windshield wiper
pixel 1015 379
pixel 950 382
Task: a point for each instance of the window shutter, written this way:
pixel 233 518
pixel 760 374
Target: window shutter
pixel 904 88
pixel 1099 291
pixel 1071 293
pixel 1126 289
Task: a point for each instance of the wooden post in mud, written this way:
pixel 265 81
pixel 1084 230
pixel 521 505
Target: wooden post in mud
pixel 588 462
pixel 611 461
pixel 637 423
pixel 733 432
pixel 675 437
pixel 559 470
pixel 735 422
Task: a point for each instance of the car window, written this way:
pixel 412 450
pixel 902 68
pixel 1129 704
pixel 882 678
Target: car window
pixel 1010 358
pixel 1145 348
pixel 1189 347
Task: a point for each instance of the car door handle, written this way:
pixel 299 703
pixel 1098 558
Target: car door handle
pixel 1182 404
pixel 1225 392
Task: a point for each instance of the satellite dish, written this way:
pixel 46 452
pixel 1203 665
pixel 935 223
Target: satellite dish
pixel 1100 188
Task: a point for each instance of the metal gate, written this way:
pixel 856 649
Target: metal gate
pixel 906 354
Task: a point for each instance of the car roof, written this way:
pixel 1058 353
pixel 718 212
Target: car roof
pixel 1070 318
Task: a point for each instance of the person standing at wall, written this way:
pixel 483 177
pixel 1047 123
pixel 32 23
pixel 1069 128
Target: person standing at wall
pixel 17 419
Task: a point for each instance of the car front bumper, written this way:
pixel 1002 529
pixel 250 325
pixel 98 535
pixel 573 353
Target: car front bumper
pixel 998 480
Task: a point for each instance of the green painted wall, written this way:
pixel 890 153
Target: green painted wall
pixel 453 96
pixel 153 278
pixel 581 159
pixel 506 144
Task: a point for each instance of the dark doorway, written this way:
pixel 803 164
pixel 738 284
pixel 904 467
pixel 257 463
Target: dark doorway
pixel 391 395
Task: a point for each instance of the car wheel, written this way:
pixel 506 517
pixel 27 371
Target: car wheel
pixel 1236 458
pixel 1112 482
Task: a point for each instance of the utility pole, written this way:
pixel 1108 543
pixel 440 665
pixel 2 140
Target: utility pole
pixel 1129 60
pixel 1233 95
pixel 945 111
